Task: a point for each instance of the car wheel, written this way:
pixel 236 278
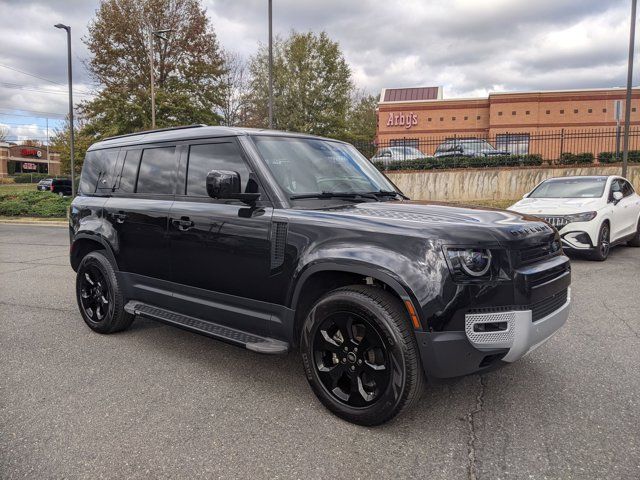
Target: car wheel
pixel 635 241
pixel 601 251
pixel 99 295
pixel 360 355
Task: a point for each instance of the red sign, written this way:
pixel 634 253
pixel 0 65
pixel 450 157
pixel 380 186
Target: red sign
pixel 30 152
pixel 29 166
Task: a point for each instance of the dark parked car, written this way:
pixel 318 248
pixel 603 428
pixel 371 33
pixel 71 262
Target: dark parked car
pixel 274 241
pixel 467 147
pixel 59 186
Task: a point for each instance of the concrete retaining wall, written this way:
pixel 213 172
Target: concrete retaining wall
pixel 492 184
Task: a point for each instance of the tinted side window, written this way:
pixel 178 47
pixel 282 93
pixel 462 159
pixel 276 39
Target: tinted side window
pixel 97 170
pixel 627 189
pixel 214 156
pixel 157 171
pixel 129 171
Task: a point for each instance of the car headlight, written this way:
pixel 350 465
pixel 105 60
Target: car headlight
pixel 474 262
pixel 581 217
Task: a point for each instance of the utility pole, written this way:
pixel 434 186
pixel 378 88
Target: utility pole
pixel 71 128
pixel 270 65
pixel 48 161
pixel 159 34
pixel 627 108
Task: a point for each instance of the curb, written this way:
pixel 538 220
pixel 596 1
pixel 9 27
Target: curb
pixel 33 221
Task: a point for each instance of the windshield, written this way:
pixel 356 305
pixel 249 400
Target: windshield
pixel 477 145
pixel 570 188
pixel 309 165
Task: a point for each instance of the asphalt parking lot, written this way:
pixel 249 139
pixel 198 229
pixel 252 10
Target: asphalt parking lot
pixel 158 402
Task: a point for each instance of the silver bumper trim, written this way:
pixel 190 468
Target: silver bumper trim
pixel 520 334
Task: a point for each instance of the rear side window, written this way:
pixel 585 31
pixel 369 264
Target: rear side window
pixel 129 171
pixel 157 171
pixel 627 189
pixel 213 156
pixel 97 170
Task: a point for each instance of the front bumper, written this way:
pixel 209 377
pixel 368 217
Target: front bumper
pixel 456 353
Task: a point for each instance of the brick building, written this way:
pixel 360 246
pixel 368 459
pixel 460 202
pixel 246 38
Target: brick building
pixel 510 120
pixel 27 159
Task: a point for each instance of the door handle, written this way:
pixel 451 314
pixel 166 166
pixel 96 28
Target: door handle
pixel 183 224
pixel 120 217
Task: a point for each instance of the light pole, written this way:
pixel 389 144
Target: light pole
pixel 69 72
pixel 627 108
pixel 157 33
pixel 270 66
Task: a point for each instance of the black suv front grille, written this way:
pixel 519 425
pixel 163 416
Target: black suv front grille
pixel 538 252
pixel 548 305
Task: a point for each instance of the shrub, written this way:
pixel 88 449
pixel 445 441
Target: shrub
pixel 433 163
pixel 576 158
pixel 33 204
pixel 30 177
pixel 610 157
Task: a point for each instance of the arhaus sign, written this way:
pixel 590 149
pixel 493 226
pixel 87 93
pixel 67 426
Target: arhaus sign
pixel 406 120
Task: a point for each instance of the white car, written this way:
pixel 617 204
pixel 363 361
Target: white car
pixel 592 214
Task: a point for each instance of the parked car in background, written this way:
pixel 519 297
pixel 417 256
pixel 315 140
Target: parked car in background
pixel 467 147
pixel 59 186
pixel 592 214
pixel 394 154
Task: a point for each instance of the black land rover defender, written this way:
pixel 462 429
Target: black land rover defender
pixel 272 241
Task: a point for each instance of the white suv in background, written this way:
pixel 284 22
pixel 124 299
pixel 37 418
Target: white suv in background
pixel 592 214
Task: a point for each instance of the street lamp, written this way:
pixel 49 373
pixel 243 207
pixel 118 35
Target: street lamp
pixel 270 65
pixel 159 34
pixel 73 175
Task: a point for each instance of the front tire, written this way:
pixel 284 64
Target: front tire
pixel 99 297
pixel 360 355
pixel 601 252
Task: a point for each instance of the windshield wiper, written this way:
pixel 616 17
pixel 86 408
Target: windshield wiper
pixel 389 193
pixel 349 195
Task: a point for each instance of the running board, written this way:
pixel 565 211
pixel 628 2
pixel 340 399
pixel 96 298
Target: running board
pixel 210 329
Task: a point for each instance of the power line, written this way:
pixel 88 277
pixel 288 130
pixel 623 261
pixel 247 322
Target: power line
pixel 35 89
pixel 19 109
pixel 39 77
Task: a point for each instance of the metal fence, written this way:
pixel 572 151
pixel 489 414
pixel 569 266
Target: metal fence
pixel 551 146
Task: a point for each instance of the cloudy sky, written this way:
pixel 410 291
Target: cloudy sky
pixel 470 47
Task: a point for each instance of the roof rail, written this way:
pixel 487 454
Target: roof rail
pixel 182 127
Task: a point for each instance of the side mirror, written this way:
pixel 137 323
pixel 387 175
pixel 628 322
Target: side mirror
pixel 617 196
pixel 225 184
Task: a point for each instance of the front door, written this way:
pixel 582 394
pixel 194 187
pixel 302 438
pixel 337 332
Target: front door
pixel 220 249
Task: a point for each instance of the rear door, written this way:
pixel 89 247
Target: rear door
pixel 138 212
pixel 220 249
pixel 629 208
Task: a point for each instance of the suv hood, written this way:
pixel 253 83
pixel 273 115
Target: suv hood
pixel 464 225
pixel 556 206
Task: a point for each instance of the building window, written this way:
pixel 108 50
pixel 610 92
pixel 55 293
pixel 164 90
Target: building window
pixel 513 113
pixel 548 112
pixel 442 119
pixel 467 118
pixel 633 109
pixel 499 114
pixel 604 110
pixel 590 110
pixel 429 119
pixel 453 119
pixel 514 143
pixel 561 112
pixel 527 112
pixel 404 142
pixel 575 110
pixel 478 117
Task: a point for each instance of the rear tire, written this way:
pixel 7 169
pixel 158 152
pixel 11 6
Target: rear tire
pixel 601 251
pixel 99 296
pixel 635 241
pixel 360 355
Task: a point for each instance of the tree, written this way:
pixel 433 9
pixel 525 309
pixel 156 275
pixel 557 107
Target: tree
pixel 236 90
pixel 311 83
pixel 4 133
pixel 362 119
pixel 188 66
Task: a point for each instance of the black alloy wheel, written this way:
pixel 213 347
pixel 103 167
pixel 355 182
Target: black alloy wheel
pixel 601 252
pixel 351 358
pixel 100 299
pixel 360 354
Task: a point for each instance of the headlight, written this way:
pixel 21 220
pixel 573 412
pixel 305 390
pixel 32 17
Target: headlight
pixel 581 217
pixel 474 262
